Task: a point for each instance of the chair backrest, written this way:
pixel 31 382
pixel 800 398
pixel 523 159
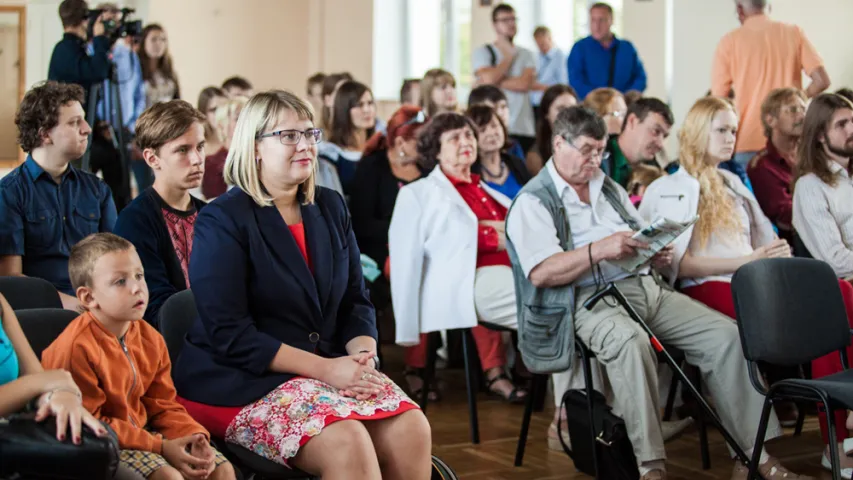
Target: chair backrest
pixel 29 292
pixel 790 310
pixel 176 317
pixel 41 326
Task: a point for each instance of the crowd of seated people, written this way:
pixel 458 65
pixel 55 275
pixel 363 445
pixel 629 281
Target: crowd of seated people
pixel 457 202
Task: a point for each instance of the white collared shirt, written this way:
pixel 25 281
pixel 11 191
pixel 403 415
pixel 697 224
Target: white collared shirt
pixel 534 236
pixel 823 218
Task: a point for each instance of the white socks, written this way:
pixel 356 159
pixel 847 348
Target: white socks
pixel 647 467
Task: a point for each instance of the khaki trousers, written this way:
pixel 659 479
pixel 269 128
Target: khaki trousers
pixel 709 340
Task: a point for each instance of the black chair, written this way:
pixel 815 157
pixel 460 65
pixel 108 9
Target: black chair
pixel 790 312
pixel 29 292
pixel 176 316
pixel 800 249
pixel 41 326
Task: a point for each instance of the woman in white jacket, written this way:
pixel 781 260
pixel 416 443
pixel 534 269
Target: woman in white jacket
pixel 449 265
pixel 731 230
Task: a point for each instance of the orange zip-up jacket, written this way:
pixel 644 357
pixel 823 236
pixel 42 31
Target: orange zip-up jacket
pixel 126 383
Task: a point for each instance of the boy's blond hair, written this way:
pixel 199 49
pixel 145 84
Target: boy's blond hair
pixel 86 252
pixel 642 176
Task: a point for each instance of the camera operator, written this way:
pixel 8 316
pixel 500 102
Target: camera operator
pixel 70 62
pixel 131 91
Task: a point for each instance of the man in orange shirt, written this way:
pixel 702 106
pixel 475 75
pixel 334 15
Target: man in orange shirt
pixel 756 58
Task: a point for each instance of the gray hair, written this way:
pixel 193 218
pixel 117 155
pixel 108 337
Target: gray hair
pixel 752 4
pixel 578 121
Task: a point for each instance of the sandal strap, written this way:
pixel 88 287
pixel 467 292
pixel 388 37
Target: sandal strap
pixel 500 376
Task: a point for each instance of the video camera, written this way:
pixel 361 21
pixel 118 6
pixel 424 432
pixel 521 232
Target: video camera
pixel 113 29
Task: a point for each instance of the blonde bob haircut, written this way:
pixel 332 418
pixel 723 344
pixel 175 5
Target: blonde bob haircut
pixel 261 114
pixel 717 211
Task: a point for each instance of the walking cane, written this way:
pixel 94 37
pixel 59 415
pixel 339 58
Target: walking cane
pixel 613 291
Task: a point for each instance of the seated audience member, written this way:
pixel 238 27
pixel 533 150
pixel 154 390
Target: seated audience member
pixel 846 93
pixel 160 221
pixel 494 97
pixel 314 91
pixel 632 96
pixel 24 384
pixel 354 122
pixel 209 100
pixel 555 98
pixel 410 92
pixel 238 87
pixel 122 367
pixel 330 88
pixel 448 229
pixel 610 105
pixel 641 177
pixel 213 183
pixel 502 171
pixel 47 205
pixel 285 342
pixel 772 169
pixel 640 141
pixel 603 222
pixel 438 92
pixel 823 211
pixel 390 162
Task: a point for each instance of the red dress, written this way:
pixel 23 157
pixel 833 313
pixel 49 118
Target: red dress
pixel 277 425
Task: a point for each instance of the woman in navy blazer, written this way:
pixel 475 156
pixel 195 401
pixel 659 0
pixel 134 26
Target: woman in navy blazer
pixel 281 359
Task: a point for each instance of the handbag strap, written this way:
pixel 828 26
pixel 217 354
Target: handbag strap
pixel 611 74
pixel 560 429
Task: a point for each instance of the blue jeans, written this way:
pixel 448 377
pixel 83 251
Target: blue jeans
pixel 743 158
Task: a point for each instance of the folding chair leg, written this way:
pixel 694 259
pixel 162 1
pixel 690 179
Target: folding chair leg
pixel 704 450
pixel 833 452
pixel 529 405
pixel 429 370
pixel 801 418
pixel 759 439
pixel 467 351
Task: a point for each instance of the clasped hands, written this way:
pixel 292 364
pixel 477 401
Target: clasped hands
pixel 355 376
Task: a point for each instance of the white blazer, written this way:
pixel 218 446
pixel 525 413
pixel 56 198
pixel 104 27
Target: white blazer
pixel 676 197
pixel 433 249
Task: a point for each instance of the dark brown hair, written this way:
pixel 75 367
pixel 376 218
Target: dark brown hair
pixel 316 79
pixel 329 83
pixel 543 129
pixel 811 157
pixel 501 7
pixel 406 90
pixel 73 12
pixel 642 107
pixel 165 121
pixel 482 115
pixel 603 5
pixel 429 139
pixel 237 82
pixel 342 129
pixel 164 65
pixel 203 104
pixel 86 252
pixel 396 128
pixel 39 111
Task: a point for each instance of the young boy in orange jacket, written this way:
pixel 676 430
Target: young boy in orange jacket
pixel 123 370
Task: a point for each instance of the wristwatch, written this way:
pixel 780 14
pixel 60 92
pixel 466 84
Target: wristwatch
pixel 375 359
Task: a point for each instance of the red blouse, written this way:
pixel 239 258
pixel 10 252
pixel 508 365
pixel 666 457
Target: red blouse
pixel 298 232
pixel 485 208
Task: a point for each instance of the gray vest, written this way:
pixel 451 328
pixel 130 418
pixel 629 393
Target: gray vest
pixel 546 330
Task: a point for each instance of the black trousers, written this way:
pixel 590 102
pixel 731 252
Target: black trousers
pixel 105 158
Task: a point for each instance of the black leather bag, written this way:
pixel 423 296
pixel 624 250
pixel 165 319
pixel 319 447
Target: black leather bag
pixel 30 450
pixel 616 460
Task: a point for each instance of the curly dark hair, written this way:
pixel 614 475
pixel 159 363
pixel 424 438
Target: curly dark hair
pixel 39 111
pixel 429 138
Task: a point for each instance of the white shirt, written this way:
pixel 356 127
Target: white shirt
pixel 823 218
pixel 534 236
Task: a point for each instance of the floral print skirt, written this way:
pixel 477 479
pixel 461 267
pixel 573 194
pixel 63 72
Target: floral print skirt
pixel 276 426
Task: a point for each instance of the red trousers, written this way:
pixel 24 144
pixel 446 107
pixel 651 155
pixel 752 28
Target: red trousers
pixel 718 295
pixel 490 348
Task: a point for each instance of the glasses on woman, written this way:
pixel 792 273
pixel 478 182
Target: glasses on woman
pixel 291 137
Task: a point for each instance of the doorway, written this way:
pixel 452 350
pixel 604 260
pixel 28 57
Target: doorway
pixel 12 85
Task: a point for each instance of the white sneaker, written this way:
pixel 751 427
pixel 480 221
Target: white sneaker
pixel 671 429
pixel 846 473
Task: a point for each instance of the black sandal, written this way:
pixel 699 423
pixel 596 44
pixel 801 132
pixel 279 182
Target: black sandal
pixel 515 396
pixel 433 395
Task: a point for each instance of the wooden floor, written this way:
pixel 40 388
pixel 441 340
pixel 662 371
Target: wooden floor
pixel 500 423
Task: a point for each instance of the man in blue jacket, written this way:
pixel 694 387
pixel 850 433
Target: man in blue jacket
pixel 602 60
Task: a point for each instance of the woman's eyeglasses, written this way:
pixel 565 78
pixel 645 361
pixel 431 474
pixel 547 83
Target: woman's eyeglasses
pixel 291 137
